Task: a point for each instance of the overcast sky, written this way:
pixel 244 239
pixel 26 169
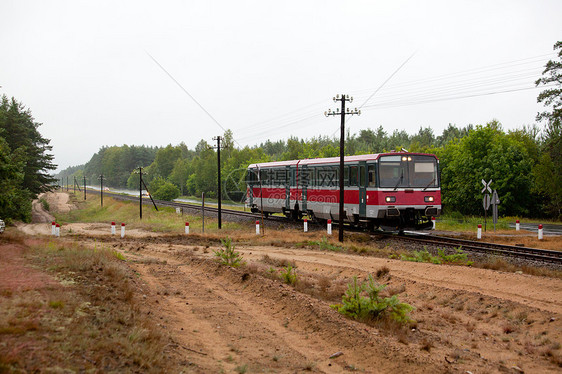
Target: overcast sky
pixel 102 72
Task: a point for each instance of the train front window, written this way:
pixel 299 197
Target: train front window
pixel 423 172
pixel 408 171
pixel 392 172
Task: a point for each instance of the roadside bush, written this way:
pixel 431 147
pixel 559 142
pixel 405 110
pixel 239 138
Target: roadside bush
pixel 372 306
pixel 324 245
pixel 167 191
pixel 228 256
pixel 459 257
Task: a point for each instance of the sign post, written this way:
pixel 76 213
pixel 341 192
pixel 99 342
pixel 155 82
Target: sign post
pixel 495 202
pixel 486 201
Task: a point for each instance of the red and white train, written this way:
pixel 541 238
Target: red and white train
pixel 397 189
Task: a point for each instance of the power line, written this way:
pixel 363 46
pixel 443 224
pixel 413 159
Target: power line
pixel 188 94
pixel 382 85
pixel 457 83
pixel 426 101
pixel 483 69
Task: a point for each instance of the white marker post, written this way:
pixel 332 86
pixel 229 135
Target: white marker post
pixel 53 228
pixel 305 225
pixel 257 227
pixel 479 233
pixel 112 228
pixel 57 231
pixel 329 227
pixel 540 232
pixel 122 230
pixel 433 222
pixel 517 226
pixel 187 228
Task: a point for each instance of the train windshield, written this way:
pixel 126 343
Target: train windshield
pixel 408 171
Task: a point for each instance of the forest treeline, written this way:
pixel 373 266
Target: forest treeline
pixel 25 163
pixel 521 164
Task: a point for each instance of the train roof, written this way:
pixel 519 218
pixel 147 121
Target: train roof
pixel 333 160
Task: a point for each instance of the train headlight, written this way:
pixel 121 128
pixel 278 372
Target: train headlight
pixel 428 199
pixel 390 199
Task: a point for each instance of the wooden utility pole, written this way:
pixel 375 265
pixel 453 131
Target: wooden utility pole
pixel 343 112
pixel 101 188
pixel 219 189
pixel 141 183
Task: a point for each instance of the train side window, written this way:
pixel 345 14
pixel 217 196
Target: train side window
pixel 372 176
pixel 353 175
pixel 327 176
pixel 305 176
pixel 336 171
pixel 362 176
pixel 280 177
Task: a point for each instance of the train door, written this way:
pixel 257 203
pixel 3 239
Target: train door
pixel 304 179
pixel 251 178
pixel 288 188
pixel 362 188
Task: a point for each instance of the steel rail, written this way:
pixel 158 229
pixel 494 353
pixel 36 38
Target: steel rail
pixel 547 255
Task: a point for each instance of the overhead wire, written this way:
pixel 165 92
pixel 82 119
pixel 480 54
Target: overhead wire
pixel 188 94
pixel 482 81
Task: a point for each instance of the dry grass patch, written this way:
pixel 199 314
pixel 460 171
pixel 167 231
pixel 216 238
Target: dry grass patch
pixel 91 324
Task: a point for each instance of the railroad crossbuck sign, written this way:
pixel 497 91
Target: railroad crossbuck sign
pixel 486 201
pixel 495 202
pixel 486 186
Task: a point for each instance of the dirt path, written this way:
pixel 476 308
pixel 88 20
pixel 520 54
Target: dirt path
pixel 38 214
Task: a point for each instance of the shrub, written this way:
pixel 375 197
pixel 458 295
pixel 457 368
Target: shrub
pixel 421 256
pixel 289 275
pixel 373 306
pixel 459 257
pixel 228 256
pixel 166 191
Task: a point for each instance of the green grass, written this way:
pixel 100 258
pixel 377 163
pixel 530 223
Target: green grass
pixel 322 244
pixel 458 222
pixel 164 220
pixel 459 257
pixel 469 223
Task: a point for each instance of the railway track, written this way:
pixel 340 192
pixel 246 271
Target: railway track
pixel 484 248
pixel 535 254
pixel 193 207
